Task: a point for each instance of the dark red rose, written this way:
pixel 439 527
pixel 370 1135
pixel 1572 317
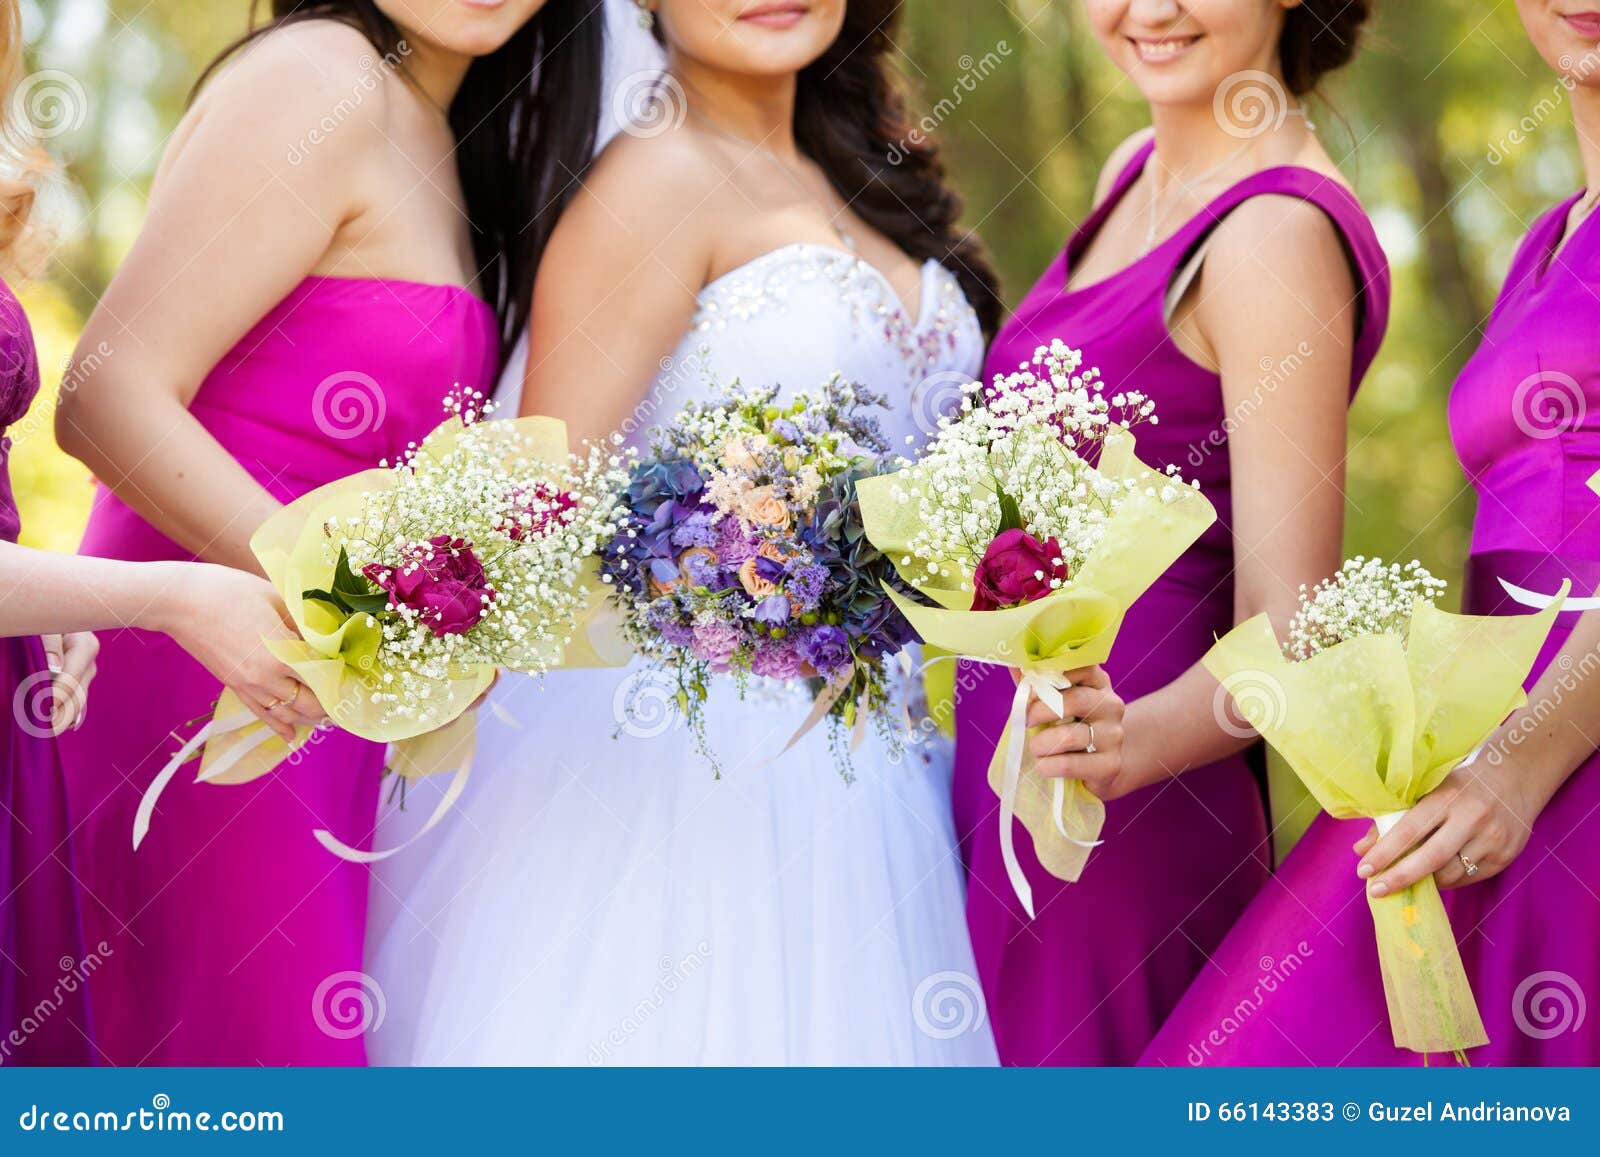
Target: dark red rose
pixel 546 507
pixel 1016 569
pixel 443 581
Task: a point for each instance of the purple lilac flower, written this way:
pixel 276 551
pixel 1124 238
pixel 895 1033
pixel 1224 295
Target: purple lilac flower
pixel 701 569
pixel 696 530
pixel 825 648
pixel 786 430
pixel 805 587
pixel 778 659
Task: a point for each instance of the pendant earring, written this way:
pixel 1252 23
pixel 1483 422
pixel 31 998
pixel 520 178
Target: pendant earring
pixel 647 18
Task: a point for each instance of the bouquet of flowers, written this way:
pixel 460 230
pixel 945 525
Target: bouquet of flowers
pixel 1032 527
pixel 743 553
pixel 410 584
pixel 1376 697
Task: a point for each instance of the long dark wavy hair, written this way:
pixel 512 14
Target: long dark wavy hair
pixel 853 119
pixel 524 119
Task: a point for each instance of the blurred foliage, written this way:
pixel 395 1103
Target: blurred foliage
pixel 1422 124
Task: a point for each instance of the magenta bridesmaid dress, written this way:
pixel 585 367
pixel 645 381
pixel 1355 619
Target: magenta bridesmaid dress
pixel 1089 981
pixel 1296 982
pixel 237 938
pixel 43 1012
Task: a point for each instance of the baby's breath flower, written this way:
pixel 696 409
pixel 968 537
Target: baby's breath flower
pixel 1366 597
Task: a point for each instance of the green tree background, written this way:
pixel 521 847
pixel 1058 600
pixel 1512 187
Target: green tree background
pixel 1455 134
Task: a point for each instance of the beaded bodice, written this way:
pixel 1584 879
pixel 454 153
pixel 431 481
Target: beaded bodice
pixel 800 314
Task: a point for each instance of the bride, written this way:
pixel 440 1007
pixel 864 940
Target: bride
pixel 598 896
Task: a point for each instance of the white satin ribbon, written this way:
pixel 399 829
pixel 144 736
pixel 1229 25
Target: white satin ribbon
pixel 1048 688
pixel 1539 602
pixel 458 784
pixel 213 727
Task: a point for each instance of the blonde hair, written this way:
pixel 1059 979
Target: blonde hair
pixel 22 161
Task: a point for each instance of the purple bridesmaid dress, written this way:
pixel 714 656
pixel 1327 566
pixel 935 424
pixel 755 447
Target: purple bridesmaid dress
pixel 237 938
pixel 1089 981
pixel 43 966
pixel 1297 981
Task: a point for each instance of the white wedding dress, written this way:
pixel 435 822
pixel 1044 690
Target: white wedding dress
pixel 600 900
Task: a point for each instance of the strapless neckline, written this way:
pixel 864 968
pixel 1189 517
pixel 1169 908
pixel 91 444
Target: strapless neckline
pixel 831 252
pixel 316 279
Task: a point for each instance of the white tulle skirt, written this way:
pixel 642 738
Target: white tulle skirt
pixel 608 901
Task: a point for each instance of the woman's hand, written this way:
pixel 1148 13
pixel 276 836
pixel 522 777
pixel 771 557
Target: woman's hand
pixel 71 659
pixel 1484 812
pixel 223 618
pixel 1086 743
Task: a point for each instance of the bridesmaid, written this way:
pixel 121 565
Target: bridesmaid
pixel 52 604
pixel 1509 838
pixel 304 293
pixel 1229 273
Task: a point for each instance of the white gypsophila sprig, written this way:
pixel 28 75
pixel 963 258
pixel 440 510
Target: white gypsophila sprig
pixel 1366 597
pixel 1028 435
pixel 531 523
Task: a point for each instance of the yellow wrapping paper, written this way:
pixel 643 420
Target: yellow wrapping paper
pixel 335 655
pixel 1372 725
pixel 1070 628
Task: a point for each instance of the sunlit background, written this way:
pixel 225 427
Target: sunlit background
pixel 1454 132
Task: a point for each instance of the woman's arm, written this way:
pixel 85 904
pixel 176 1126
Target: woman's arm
pixel 1487 809
pixel 1276 291
pixel 233 225
pixel 219 615
pixel 617 286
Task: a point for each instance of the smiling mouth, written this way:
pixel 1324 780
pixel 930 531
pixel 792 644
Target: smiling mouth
pixel 780 15
pixel 1167 48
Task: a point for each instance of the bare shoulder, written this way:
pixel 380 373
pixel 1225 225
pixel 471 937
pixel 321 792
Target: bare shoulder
pixel 1292 236
pixel 673 168
pixel 661 191
pixel 1118 160
pixel 314 78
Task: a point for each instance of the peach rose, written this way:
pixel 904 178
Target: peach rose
pixel 763 507
pixel 754 585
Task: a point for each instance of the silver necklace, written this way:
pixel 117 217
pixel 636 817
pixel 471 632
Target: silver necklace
pixel 833 213
pixel 1158 216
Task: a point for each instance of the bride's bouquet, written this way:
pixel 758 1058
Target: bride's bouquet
pixel 743 554
pixel 410 584
pixel 1032 527
pixel 1376 697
